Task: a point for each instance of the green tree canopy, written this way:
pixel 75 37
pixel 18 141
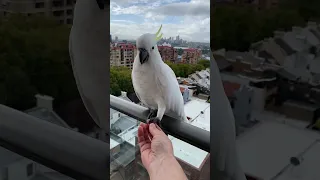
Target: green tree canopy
pixel 34 57
pixel 205 63
pixel 120 80
pixel 236 28
pixel 120 77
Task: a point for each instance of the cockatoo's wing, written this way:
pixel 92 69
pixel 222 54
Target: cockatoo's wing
pixel 168 85
pixel 225 160
pixel 87 43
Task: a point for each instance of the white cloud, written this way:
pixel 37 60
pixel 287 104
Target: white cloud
pixel 194 16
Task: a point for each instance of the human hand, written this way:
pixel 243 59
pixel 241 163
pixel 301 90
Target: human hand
pixel 155 146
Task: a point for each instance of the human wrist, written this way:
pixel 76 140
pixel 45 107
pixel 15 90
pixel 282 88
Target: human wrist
pixel 166 168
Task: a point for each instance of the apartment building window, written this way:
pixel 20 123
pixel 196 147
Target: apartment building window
pixel 69 21
pixel 70 2
pixel 69 12
pixel 30 169
pixel 39 5
pixel 57 3
pixel 58 13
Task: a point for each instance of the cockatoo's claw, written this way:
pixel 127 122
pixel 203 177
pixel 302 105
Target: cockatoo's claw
pixel 154 120
pixel 152 114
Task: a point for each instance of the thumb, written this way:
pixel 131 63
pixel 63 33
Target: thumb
pixel 155 130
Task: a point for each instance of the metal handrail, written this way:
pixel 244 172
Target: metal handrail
pixel 74 154
pixel 177 128
pixel 68 152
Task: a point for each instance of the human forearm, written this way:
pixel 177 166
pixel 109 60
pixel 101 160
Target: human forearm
pixel 168 168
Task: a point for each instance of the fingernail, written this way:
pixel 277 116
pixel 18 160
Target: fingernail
pixel 152 125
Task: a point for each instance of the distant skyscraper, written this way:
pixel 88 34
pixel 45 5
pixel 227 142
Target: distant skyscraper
pixel 110 38
pixel 116 39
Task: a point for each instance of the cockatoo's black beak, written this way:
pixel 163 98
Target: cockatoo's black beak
pixel 143 55
pixel 100 4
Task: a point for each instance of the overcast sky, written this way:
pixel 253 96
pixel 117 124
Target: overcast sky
pixel 190 19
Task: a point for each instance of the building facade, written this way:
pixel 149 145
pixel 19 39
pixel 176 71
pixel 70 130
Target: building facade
pixel 168 53
pixel 122 54
pixel 62 10
pixel 191 56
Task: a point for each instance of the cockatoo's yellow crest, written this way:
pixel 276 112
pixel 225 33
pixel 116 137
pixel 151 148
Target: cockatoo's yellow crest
pixel 157 34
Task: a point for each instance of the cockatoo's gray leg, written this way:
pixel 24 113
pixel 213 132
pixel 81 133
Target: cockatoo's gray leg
pixel 153 113
pixel 160 112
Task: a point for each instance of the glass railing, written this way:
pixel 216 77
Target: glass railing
pixel 124 149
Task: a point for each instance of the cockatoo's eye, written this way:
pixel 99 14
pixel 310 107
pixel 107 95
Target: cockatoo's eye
pixel 152 47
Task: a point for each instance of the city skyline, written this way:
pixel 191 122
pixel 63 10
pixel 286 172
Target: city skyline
pixel 190 19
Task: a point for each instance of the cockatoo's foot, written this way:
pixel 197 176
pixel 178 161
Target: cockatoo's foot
pixel 154 120
pixel 153 113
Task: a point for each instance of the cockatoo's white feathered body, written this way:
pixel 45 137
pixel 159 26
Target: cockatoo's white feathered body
pixel 155 83
pixel 87 47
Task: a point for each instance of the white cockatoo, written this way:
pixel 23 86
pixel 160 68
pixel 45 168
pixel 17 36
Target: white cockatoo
pixel 154 82
pixel 225 164
pixel 89 57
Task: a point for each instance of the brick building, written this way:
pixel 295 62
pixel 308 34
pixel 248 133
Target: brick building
pixel 62 10
pixel 122 54
pixel 191 56
pixel 168 53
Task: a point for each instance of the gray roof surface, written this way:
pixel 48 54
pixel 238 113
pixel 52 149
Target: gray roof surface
pixel 307 170
pixel 267 148
pixel 47 115
pixel 234 78
pixel 265 54
pixel 289 51
pixel 315 33
pixel 315 65
pixel 294 42
pixel 246 57
pixel 284 73
pixel 221 61
pixel 124 123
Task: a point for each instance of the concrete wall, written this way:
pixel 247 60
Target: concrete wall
pixel 186 95
pixel 243 105
pixel 258 99
pixel 275 50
